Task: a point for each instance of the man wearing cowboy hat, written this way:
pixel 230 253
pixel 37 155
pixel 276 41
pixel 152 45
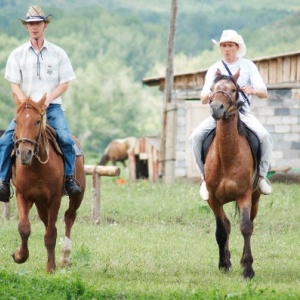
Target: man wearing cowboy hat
pixel 233 49
pixel 34 69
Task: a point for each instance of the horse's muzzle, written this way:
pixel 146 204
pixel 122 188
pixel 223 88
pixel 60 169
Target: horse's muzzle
pixel 217 110
pixel 24 155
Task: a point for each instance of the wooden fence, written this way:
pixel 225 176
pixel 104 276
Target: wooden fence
pixel 96 172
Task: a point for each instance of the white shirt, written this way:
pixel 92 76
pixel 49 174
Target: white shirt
pixel 249 75
pixel 41 72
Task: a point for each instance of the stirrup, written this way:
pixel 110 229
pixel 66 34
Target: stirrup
pixel 72 186
pixel 6 199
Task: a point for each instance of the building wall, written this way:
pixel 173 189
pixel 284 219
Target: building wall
pixel 280 114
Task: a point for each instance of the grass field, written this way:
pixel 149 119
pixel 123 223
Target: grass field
pixel 156 241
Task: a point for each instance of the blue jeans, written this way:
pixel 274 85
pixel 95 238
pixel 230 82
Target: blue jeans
pixel 57 120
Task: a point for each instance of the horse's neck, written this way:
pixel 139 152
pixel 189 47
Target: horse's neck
pixel 227 138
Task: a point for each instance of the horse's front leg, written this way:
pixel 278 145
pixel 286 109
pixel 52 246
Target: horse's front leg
pixel 223 229
pixel 50 243
pixel 22 253
pixel 48 216
pixel 247 230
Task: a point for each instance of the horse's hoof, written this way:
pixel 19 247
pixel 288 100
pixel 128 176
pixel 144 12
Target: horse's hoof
pixel 65 262
pixel 18 259
pixel 248 274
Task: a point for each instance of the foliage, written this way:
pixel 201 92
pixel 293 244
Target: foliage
pixel 156 241
pixel 114 44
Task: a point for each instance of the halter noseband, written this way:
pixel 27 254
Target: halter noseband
pixel 36 142
pixel 228 112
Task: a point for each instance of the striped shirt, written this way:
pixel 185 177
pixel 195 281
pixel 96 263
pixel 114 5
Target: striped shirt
pixel 39 73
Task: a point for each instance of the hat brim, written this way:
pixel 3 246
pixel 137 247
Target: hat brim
pixel 46 20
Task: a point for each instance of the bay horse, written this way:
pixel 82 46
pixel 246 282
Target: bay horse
pixel 38 177
pixel 117 151
pixel 231 171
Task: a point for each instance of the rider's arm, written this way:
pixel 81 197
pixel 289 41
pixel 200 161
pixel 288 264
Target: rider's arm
pixel 58 91
pixel 16 91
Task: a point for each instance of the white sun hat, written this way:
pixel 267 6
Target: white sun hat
pixel 232 36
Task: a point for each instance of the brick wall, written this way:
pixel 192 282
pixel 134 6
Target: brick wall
pixel 280 114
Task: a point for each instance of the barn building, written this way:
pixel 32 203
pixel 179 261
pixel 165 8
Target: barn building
pixel 280 113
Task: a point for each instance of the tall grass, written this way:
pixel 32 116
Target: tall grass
pixel 156 241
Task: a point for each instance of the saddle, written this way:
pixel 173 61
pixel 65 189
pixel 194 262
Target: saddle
pixel 251 136
pixel 52 137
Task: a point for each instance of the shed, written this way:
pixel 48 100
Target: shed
pixel 144 159
pixel 280 113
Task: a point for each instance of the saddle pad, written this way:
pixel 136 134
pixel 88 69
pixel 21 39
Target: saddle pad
pixel 251 136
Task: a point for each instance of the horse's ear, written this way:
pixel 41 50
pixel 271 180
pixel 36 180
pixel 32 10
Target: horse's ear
pixel 42 101
pixel 218 73
pixel 236 75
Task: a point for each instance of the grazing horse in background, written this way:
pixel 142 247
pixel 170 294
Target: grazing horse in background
pixel 231 171
pixel 117 150
pixel 38 177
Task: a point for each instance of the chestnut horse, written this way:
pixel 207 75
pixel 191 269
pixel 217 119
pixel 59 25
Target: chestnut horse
pixel 231 171
pixel 38 177
pixel 117 150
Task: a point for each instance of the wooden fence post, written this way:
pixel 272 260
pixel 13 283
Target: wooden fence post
pixel 97 172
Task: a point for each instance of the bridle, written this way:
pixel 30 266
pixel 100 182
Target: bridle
pixel 36 142
pixel 234 105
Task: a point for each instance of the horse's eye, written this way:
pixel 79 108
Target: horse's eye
pixel 38 122
pixel 234 90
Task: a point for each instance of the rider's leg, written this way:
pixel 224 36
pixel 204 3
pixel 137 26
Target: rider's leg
pixel 196 140
pixel 6 146
pixel 58 121
pixel 266 145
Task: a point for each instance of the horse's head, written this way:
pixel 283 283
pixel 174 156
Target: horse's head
pixel 30 121
pixel 224 97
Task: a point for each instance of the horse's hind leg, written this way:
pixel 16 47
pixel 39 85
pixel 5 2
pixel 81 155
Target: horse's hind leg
pixel 70 216
pixel 223 229
pixel 22 253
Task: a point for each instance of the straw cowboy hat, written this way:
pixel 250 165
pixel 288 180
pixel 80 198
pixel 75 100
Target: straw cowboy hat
pixel 36 14
pixel 232 36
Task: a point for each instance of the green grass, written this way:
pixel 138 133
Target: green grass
pixel 156 241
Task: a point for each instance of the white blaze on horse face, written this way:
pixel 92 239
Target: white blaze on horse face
pixel 27 116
